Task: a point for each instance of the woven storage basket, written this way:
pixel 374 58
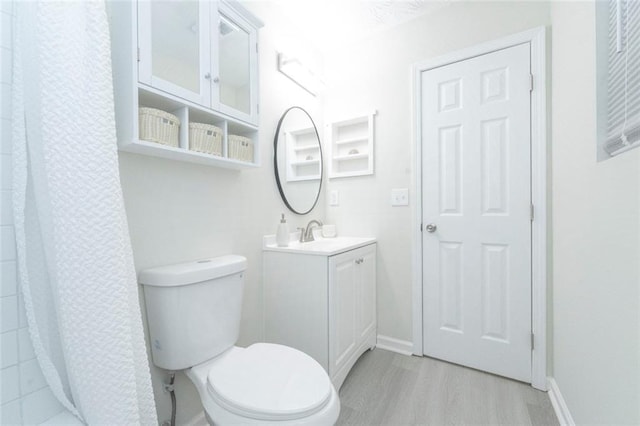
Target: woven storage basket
pixel 205 138
pixel 240 148
pixel 158 126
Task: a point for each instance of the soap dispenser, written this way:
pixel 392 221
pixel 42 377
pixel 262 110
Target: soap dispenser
pixel 282 235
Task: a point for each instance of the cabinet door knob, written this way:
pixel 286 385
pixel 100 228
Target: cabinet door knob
pixel 208 77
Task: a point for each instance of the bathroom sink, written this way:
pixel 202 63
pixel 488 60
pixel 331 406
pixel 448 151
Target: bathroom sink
pixel 321 246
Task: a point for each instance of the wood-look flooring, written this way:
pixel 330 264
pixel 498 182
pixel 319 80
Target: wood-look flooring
pixel 385 388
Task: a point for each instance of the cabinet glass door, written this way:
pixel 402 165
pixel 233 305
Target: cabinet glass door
pixel 174 49
pixel 237 66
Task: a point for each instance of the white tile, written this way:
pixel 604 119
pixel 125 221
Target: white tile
pixel 25 347
pixel 6 144
pixel 31 378
pixel 6 209
pixel 6 65
pixel 11 412
pixel 9 285
pixel 9 314
pixel 5 34
pixel 9 384
pixel 6 180
pixel 64 418
pixel 8 349
pixel 7 243
pixel 6 6
pixel 39 406
pixel 5 106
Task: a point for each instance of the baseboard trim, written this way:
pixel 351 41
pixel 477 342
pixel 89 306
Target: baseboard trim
pixel 559 405
pixel 394 345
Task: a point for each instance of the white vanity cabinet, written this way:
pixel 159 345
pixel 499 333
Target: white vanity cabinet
pixel 323 305
pixel 196 60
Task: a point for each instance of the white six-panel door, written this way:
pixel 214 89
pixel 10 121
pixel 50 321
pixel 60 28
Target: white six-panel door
pixel 477 212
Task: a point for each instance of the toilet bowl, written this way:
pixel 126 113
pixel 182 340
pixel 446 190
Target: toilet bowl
pixel 193 313
pixel 265 383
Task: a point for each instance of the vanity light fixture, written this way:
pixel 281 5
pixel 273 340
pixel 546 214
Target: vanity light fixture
pixel 293 68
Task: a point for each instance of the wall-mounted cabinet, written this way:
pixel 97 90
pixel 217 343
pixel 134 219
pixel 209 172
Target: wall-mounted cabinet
pixel 196 60
pixel 351 147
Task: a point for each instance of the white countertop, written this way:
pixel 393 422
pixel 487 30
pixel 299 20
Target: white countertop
pixel 320 247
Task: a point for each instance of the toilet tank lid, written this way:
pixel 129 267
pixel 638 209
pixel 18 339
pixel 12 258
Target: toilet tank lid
pixel 192 272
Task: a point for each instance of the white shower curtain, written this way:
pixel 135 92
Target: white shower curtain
pixel 74 254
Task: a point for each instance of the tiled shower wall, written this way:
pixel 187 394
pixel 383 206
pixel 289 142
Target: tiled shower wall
pixel 24 395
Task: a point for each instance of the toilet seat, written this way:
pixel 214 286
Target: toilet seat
pixel 269 382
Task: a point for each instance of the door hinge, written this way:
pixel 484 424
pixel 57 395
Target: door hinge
pixel 531 82
pixel 138 54
pixel 420 227
pixel 533 345
pixel 531 214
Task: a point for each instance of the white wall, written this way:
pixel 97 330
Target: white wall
pixel 596 234
pixel 181 211
pixel 594 285
pixel 25 397
pixel 376 74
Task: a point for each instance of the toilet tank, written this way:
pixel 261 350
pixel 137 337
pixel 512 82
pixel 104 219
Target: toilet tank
pixel 193 309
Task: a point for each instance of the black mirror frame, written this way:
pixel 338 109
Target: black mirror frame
pixel 275 162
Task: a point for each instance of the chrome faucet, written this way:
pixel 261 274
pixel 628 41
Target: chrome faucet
pixel 306 235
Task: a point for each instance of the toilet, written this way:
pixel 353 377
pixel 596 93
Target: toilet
pixel 193 311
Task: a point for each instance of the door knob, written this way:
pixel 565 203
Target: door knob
pixel 431 227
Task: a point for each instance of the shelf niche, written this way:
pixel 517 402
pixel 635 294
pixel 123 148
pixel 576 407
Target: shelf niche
pixel 351 146
pixel 303 155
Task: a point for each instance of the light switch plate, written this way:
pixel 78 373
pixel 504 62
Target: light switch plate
pixel 334 198
pixel 400 197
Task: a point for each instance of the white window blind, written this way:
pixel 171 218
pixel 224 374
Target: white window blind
pixel 623 76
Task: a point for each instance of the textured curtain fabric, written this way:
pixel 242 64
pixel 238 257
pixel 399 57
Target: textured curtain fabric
pixel 74 253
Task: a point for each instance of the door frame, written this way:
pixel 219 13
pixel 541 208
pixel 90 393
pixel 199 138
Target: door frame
pixel 536 38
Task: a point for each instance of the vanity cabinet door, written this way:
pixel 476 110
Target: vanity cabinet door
pixel 352 309
pixel 366 285
pixel 174 48
pixel 342 309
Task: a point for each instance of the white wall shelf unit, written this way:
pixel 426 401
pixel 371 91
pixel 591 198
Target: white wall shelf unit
pixel 198 88
pixel 351 146
pixel 303 155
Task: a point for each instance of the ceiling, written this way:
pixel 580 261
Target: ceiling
pixel 328 23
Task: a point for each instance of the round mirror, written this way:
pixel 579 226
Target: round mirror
pixel 297 160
